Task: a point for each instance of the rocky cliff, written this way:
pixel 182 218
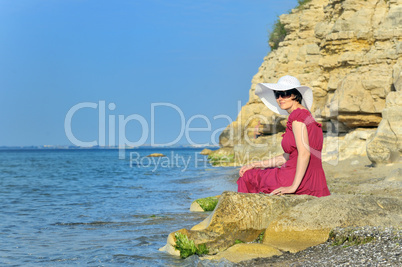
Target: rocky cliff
pixel 350 53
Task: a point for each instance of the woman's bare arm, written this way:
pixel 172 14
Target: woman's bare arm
pixel 273 162
pixel 303 158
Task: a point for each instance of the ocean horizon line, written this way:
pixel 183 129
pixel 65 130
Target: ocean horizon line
pixel 68 147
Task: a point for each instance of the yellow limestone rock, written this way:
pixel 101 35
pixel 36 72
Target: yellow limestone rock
pixel 242 252
pixel 347 52
pixel 294 240
pixel 171 243
pixel 385 146
pixel 206 151
pixel 156 155
pixel 238 216
pixel 209 203
pixel 309 223
pixel 195 207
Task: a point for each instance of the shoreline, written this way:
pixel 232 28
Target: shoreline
pixel 355 180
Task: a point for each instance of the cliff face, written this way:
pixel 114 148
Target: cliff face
pixel 350 53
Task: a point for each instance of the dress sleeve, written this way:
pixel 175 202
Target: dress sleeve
pixel 301 115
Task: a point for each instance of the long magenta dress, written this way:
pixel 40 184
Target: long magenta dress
pixel 313 182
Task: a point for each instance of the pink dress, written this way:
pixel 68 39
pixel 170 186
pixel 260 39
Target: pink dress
pixel 313 182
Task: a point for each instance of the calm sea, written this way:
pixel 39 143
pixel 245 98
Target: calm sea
pixel 88 207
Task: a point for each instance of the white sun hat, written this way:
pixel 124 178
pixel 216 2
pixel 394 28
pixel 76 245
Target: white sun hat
pixel 266 93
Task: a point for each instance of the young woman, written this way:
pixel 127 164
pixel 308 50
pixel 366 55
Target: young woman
pixel 299 170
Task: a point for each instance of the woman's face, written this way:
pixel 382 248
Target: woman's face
pixel 286 102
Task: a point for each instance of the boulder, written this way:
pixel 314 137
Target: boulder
pixel 222 157
pixel 253 119
pixel 310 223
pixel 171 243
pixel 206 151
pixel 237 216
pixel 351 145
pixel 363 96
pixel 204 204
pixel 386 145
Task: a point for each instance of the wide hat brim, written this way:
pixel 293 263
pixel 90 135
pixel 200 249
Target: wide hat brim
pixel 266 93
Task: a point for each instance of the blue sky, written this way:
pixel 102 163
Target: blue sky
pixel 195 58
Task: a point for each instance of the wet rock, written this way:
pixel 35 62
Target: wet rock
pixel 204 204
pixel 222 157
pixel 156 155
pixel 238 216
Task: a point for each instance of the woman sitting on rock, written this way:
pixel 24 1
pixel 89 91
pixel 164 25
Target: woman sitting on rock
pixel 299 170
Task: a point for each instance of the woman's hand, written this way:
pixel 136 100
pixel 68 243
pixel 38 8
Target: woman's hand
pixel 245 168
pixel 284 190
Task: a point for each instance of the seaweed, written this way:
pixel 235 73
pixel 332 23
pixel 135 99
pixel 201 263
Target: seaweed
pixel 219 159
pixel 187 247
pixel 208 203
pixel 349 239
pixel 260 237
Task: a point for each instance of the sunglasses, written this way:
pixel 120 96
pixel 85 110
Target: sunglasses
pixel 283 94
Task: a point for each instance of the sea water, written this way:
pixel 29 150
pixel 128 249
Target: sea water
pixel 88 207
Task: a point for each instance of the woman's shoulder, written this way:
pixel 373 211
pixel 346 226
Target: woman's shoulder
pixel 301 115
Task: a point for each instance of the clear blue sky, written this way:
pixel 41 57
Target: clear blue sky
pixel 198 56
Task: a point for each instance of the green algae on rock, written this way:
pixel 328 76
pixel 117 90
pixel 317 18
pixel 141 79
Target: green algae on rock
pixel 236 216
pixel 221 160
pixel 204 204
pixel 349 238
pixel 187 247
pixel 208 203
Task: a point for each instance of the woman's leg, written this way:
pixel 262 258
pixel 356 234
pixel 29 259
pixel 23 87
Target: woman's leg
pixel 249 182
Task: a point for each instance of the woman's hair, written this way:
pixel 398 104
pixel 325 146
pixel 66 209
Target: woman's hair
pixel 298 96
